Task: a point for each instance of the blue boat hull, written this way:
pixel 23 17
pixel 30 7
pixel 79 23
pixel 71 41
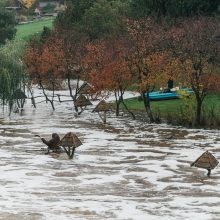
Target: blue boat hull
pixel 158 96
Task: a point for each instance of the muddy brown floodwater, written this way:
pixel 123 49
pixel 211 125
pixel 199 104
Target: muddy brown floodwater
pixel 125 169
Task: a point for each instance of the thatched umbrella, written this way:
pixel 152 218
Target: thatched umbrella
pixel 85 89
pixel 82 102
pixel 206 161
pixel 69 142
pixel 102 107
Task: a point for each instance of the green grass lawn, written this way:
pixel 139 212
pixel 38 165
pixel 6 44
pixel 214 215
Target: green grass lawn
pixel 172 106
pixel 24 31
pixel 162 106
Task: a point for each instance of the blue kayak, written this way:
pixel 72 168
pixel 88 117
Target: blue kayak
pixel 162 96
pixel 158 96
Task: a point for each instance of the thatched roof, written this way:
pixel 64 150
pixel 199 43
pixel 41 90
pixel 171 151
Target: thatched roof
pixel 102 107
pixel 85 89
pixel 70 140
pixel 18 94
pixel 206 161
pixel 82 101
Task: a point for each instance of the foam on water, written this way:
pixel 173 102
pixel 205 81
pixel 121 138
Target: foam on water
pixel 125 169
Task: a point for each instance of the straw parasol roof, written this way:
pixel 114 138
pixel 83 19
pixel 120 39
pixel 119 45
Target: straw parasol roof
pixel 205 161
pixel 18 94
pixel 70 140
pixel 102 107
pixel 85 89
pixel 82 101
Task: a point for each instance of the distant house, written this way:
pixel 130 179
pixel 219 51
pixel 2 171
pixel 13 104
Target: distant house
pixel 51 8
pixel 45 4
pixel 37 11
pixel 60 8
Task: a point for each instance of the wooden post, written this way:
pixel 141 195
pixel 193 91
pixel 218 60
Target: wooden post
pixel 72 154
pixel 104 117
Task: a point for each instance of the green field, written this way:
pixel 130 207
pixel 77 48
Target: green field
pixel 172 106
pixel 24 31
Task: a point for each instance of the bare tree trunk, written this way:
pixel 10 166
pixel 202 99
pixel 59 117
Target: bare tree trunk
pixel 121 98
pixel 117 104
pixel 147 106
pixel 47 99
pixel 117 108
pixel 198 109
pixel 130 112
pixel 71 92
pixel 103 118
pixel 72 154
pixel 199 94
pixel 69 87
pixel 32 96
pixel 76 92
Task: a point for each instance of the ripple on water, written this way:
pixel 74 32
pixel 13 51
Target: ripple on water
pixel 125 169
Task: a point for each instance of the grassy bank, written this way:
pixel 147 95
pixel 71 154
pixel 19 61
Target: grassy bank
pixel 181 111
pixel 172 106
pixel 24 31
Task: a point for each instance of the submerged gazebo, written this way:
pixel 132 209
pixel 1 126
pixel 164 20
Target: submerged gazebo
pixel 69 143
pixel 206 161
pixel 102 107
pixel 82 102
pixel 85 89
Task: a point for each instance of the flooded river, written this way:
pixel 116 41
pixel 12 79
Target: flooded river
pixel 125 170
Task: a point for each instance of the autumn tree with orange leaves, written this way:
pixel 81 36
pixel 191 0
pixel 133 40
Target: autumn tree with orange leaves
pixel 57 57
pixel 146 36
pixel 108 68
pixel 196 43
pixel 73 48
pixel 44 64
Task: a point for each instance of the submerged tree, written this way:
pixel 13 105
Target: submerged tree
pixel 146 36
pixel 195 43
pixel 73 49
pixel 12 74
pixel 109 70
pixel 55 58
pixel 44 64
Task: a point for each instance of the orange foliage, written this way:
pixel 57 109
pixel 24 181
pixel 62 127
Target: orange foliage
pixel 195 44
pixel 45 62
pixel 145 57
pixel 107 65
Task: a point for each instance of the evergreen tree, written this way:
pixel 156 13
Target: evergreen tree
pixel 102 20
pixel 173 8
pixel 7 26
pixel 96 18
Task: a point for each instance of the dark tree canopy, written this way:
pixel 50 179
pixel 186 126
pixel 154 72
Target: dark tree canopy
pixel 173 8
pixel 102 20
pixel 96 18
pixel 7 26
pixel 74 12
